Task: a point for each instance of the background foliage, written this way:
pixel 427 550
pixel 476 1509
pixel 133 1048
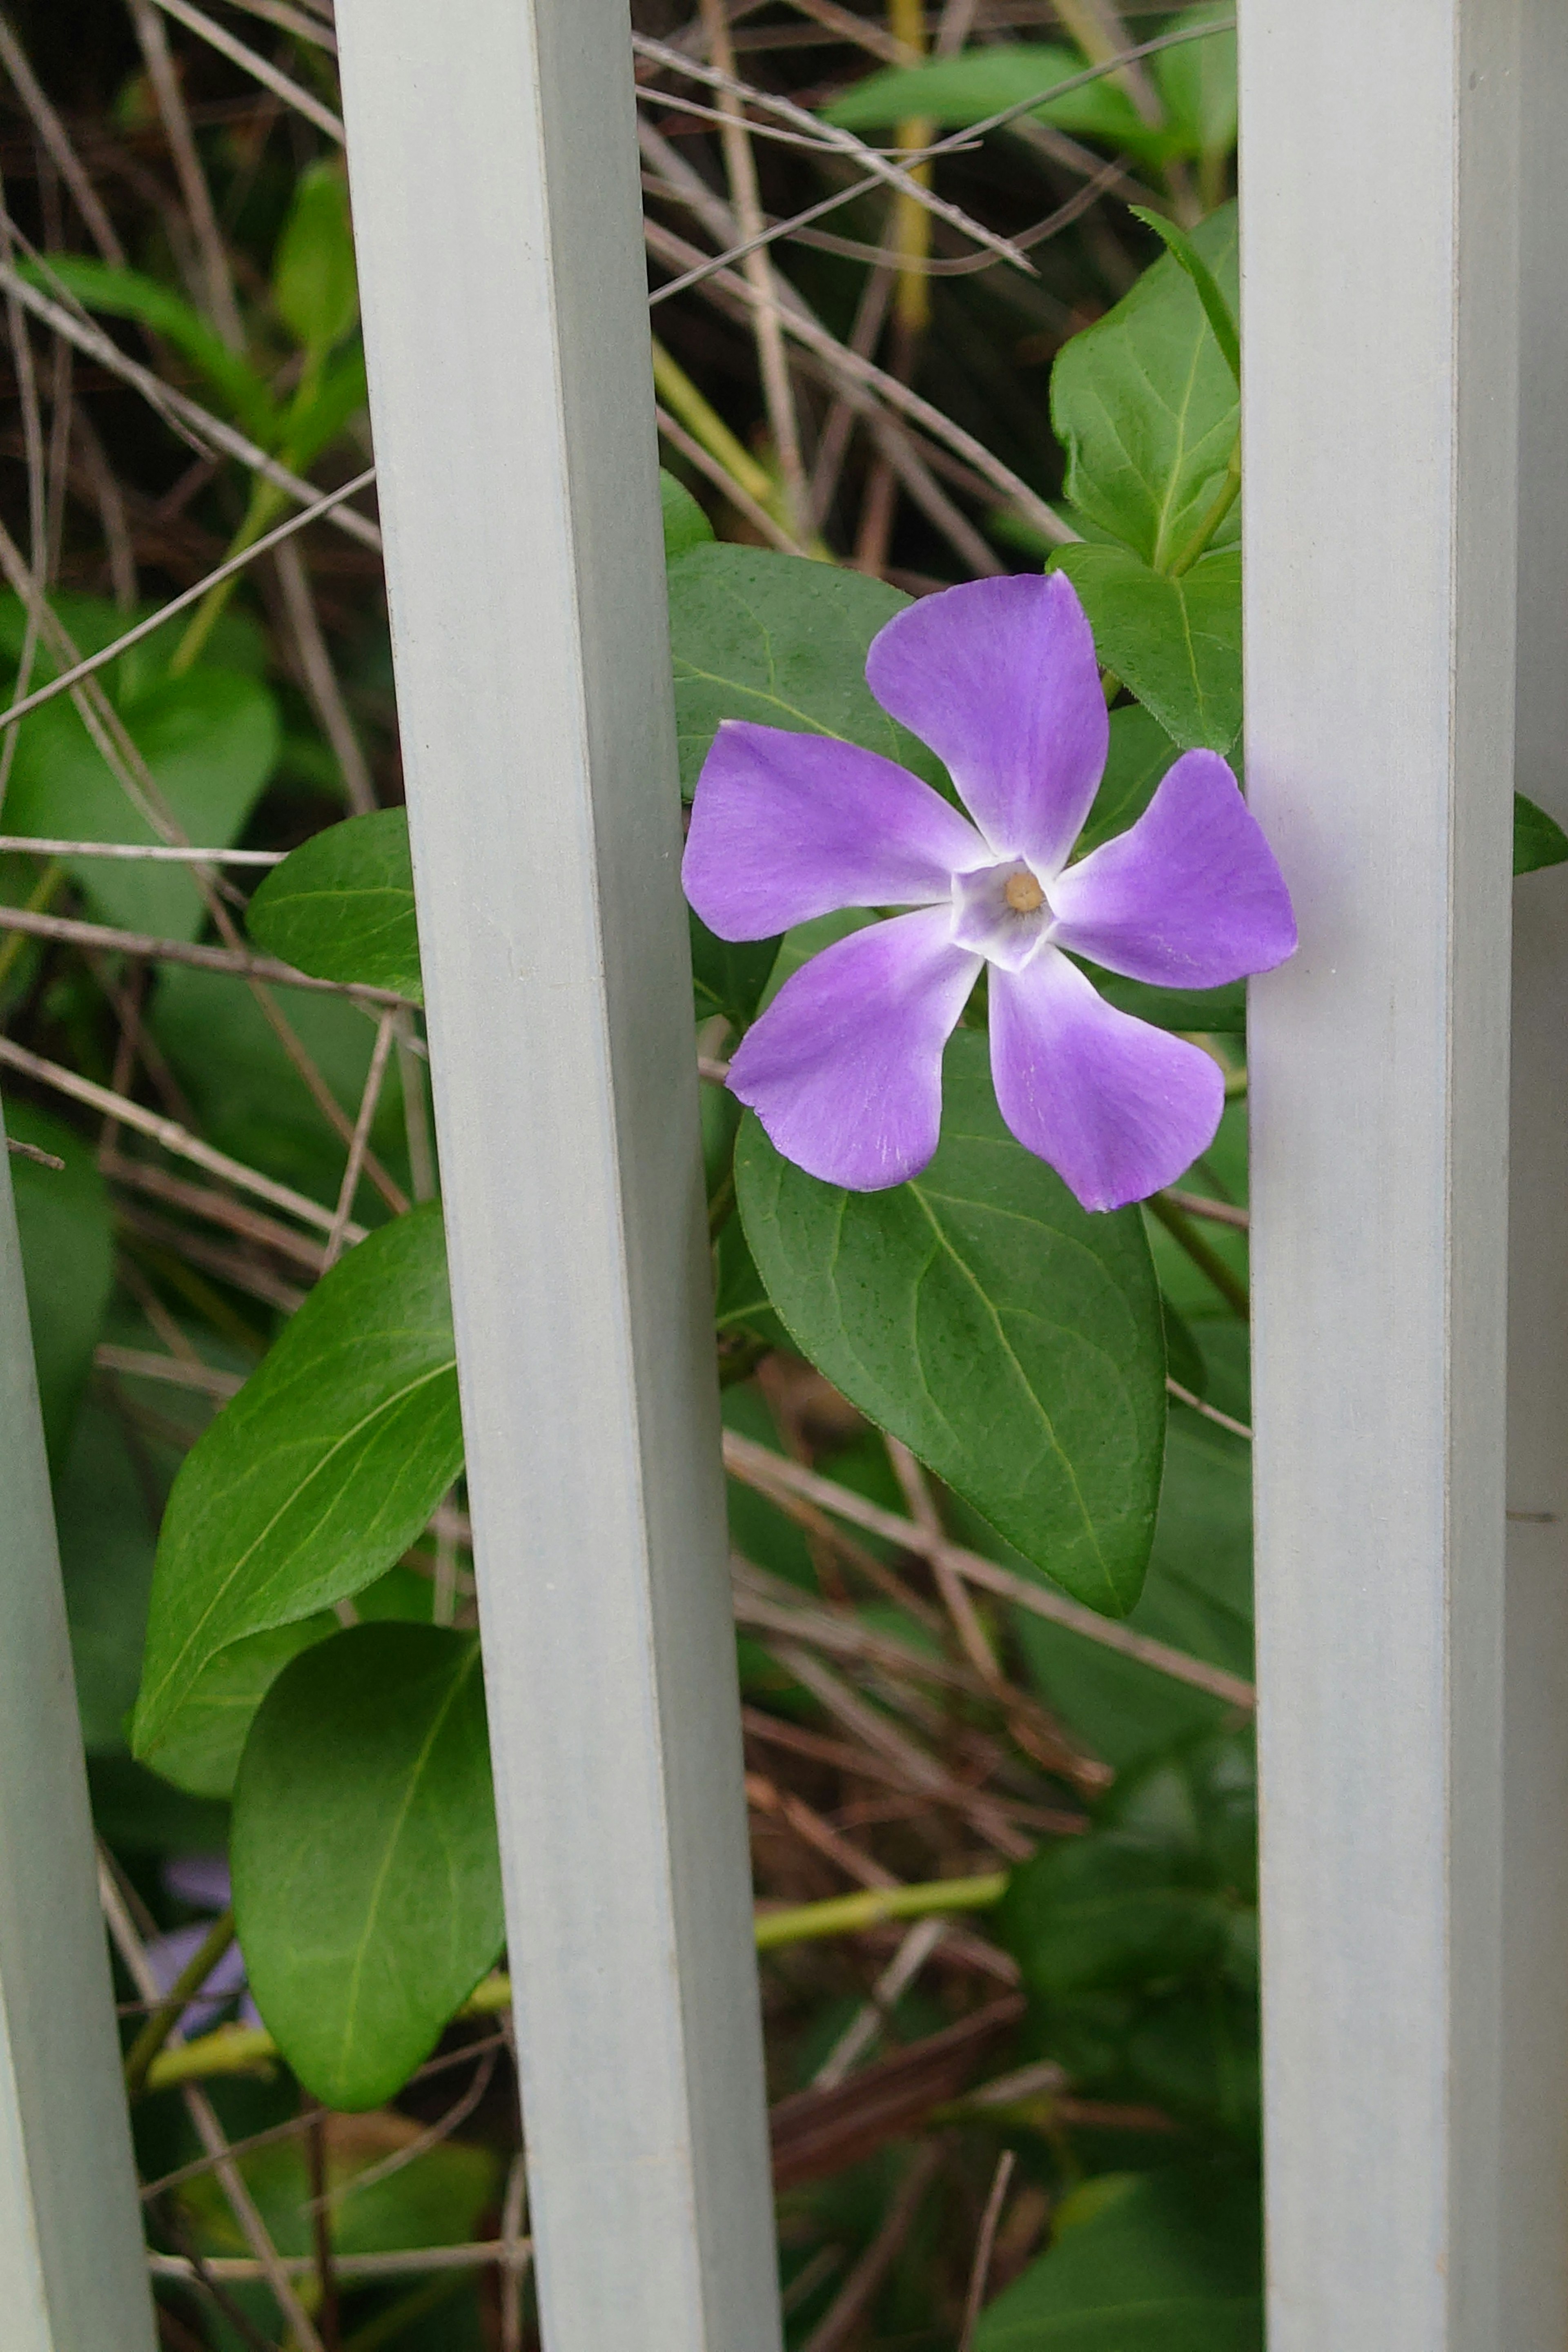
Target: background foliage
pixel 992 1530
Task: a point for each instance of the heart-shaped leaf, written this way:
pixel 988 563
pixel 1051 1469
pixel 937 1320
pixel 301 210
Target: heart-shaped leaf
pixel 1011 1339
pixel 1147 407
pixel 1176 643
pixel 318 1474
pixel 367 1876
pixel 342 905
pixel 781 640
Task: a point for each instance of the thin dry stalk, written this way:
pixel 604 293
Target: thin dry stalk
pixel 260 68
pixel 170 1135
pixel 864 2283
pixel 276 538
pixel 320 681
pixel 193 423
pixel 56 141
pixel 756 1465
pixel 217 290
pixel 895 1980
pixel 380 1054
pixel 514 2268
pixel 986 2246
pixel 269 2264
pixel 741 166
pixel 217 1208
pixel 106 940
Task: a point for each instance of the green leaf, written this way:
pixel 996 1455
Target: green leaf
pixel 1216 310
pixel 1011 1339
pixel 1175 644
pixel 970 88
pixel 728 975
pixel 1108 1910
pixel 1163 2261
pixel 782 640
pixel 128 294
pixel 1147 408
pixel 1538 839
pixel 342 905
pixel 314 288
pixel 201 1753
pixel 210 740
pixel 434 2198
pixel 320 1472
pixel 685 524
pixel 67 1264
pixel 367 1876
pixel 1198 1598
pixel 323 407
pixel 250 1099
pixel 1140 751
pixel 1197 82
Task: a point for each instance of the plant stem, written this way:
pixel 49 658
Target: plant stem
pixel 164 2017
pixel 240 2049
pixel 1183 1230
pixel 1204 535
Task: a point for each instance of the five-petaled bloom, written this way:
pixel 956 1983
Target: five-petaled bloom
pixel 844 1069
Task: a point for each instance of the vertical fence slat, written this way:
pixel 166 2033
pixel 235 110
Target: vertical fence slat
pixel 493 160
pixel 73 2272
pixel 1379 163
pixel 1535 1841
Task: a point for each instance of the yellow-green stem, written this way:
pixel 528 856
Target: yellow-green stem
pixel 242 2049
pixel 183 1990
pixel 49 882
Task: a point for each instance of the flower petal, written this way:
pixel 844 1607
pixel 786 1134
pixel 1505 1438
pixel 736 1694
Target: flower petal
pixel 999 678
pixel 1117 1108
pixel 844 1069
pixel 785 828
pixel 1189 896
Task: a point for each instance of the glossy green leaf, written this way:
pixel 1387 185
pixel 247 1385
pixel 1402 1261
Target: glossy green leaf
pixel 1148 410
pixel 1538 839
pixel 201 1753
pixel 1197 82
pixel 67 1264
pixel 781 640
pixel 1198 1598
pixel 314 290
pixel 685 524
pixel 1216 310
pixel 320 1472
pixel 1011 1339
pixel 252 1101
pixel 342 905
pixel 980 82
pixel 210 740
pixel 117 293
pixel 366 1876
pixel 1164 2261
pixel 1175 644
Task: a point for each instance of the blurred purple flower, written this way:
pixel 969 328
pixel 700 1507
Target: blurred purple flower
pixel 202 1881
pixel 844 1069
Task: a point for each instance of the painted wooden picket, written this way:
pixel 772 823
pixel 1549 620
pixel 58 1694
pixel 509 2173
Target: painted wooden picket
pixel 1414 1695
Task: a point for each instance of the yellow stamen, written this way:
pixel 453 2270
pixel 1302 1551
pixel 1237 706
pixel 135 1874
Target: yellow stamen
pixel 1024 894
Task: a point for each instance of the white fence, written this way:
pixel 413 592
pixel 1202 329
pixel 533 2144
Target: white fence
pixel 1415 1707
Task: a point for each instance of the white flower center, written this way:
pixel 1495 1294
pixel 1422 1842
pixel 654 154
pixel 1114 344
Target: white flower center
pixel 1002 912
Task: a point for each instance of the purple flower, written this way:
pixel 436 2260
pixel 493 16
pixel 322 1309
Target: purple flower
pixel 844 1069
